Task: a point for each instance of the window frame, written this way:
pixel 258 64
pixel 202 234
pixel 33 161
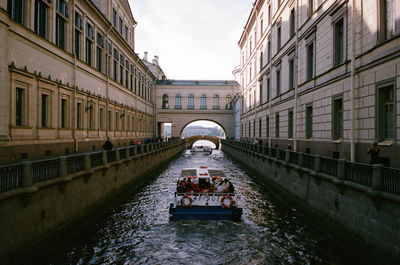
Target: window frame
pixel 337 118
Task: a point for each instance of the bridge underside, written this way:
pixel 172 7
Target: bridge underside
pixel 191 140
pixel 181 118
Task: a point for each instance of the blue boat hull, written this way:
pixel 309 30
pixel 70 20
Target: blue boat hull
pixel 205 213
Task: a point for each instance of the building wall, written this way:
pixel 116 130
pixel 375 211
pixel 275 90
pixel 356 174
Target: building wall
pixel 40 65
pixel 183 115
pixel 376 61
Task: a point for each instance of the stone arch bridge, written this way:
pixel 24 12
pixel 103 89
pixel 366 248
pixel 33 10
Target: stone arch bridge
pixel 191 140
pixel 181 102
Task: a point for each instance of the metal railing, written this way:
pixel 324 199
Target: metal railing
pixel 391 179
pixel 45 169
pixel 10 177
pixel 75 163
pixel 359 173
pixel 329 166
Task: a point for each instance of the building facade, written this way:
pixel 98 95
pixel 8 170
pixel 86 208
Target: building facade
pixel 69 78
pixel 181 102
pixel 323 77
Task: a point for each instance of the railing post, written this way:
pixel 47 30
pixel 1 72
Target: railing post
pixel 317 163
pixel 62 167
pixel 135 150
pixel 377 181
pixel 341 170
pixel 277 153
pixel 300 162
pixel 117 155
pixel 27 174
pixel 87 162
pixel 270 152
pixel 104 159
pixel 287 157
pixel 127 152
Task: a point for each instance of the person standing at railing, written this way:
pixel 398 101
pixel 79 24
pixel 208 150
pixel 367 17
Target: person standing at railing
pixel 108 145
pixel 373 150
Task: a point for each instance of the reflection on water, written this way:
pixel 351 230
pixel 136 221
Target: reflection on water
pixel 139 231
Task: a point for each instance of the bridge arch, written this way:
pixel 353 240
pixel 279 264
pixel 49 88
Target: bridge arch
pixel 191 140
pixel 210 120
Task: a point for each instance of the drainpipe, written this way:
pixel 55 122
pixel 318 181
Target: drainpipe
pixel 107 84
pixel 296 78
pixel 76 147
pixel 352 85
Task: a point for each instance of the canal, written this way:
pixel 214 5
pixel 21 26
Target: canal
pixel 138 231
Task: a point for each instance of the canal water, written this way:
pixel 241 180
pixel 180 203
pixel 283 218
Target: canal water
pixel 138 231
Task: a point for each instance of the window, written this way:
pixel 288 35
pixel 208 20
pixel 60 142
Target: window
pixel 310 60
pixel 61 21
pixel 278 82
pixel 20 99
pixel 16 10
pixel 89 43
pixel 41 19
pixel 99 52
pixel 131 78
pixel 254 128
pixel 268 89
pixel 64 113
pixel 388 26
pixel 126 33
pixel 121 69
pixel 278 39
pixel 191 102
pixel 228 102
pixel 261 25
pixel 178 101
pixel 79 115
pixel 386 113
pixel 216 102
pixel 203 103
pixel 291 74
pixel 259 127
pixel 101 119
pixel 310 7
pixel 337 119
pixel 114 18
pixel 115 64
pixel 91 118
pixel 78 32
pixel 261 60
pixel 261 92
pixel 249 129
pixel 267 126
pixel 45 111
pixel 126 73
pixel 292 22
pixel 109 120
pixel 269 49
pixel 165 101
pixel 309 116
pixel 116 120
pixel 276 125
pixel 108 59
pixel 290 124
pixel 338 42
pixel 121 25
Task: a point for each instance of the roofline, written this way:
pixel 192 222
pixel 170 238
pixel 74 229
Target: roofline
pixel 253 9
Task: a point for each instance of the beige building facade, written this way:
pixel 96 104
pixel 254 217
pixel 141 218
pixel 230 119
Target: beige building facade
pixel 69 78
pixel 181 102
pixel 323 77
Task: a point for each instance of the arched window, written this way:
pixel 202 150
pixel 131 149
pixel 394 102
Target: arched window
pixel 228 102
pixel 178 101
pixel 165 101
pixel 203 104
pixel 216 102
pixel 191 102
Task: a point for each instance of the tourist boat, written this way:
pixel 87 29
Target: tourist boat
pixel 204 194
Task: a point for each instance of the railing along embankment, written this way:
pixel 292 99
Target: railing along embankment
pixel 363 199
pixel 37 197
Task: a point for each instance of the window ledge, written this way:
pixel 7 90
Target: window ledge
pixel 337 141
pixel 386 143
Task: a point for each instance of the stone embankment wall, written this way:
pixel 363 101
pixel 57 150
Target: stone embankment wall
pixel 34 211
pixel 365 212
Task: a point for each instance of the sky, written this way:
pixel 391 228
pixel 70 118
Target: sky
pixel 194 39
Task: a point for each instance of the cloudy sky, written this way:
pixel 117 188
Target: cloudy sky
pixel 194 39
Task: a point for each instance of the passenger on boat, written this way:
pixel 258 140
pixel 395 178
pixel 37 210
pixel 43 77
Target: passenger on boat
pixel 181 188
pixel 223 186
